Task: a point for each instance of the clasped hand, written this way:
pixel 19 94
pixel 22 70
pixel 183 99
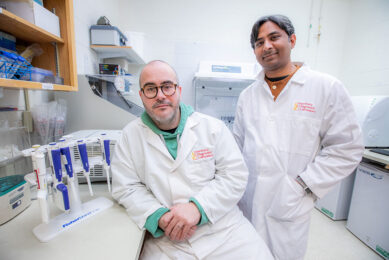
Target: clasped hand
pixel 180 222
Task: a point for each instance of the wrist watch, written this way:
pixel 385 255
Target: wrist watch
pixel 302 183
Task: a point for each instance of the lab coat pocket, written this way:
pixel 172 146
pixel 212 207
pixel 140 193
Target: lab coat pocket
pixel 299 135
pixel 200 172
pixel 290 202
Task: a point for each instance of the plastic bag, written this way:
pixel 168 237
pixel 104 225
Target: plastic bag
pixel 32 51
pixel 49 120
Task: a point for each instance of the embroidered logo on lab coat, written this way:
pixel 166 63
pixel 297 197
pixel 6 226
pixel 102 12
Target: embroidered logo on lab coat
pixel 201 154
pixel 303 106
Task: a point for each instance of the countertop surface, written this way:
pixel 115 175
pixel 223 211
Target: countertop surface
pixel 110 234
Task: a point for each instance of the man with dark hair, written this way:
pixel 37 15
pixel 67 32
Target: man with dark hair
pixel 180 176
pixel 299 136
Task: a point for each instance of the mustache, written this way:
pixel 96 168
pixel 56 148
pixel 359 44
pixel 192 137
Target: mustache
pixel 162 102
pixel 269 53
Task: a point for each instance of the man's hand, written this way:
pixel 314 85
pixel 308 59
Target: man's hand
pixel 164 221
pixel 182 224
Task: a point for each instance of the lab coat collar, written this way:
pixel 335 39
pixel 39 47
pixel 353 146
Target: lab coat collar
pixel 185 144
pixel 155 140
pixel 301 74
pixel 187 141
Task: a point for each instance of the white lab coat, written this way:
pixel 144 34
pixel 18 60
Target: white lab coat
pixel 310 130
pixel 145 177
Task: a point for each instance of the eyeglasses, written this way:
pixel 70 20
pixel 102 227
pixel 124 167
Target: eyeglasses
pixel 151 90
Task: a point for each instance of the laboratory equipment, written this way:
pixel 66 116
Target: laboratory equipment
pixel 218 85
pixel 105 150
pixel 109 69
pixel 14 197
pixel 72 179
pixel 60 190
pixel 85 162
pixel 369 208
pixel 107 35
pixel 59 182
pixel 118 91
pixel 372 116
pixel 336 203
pixel 99 172
pixel 39 168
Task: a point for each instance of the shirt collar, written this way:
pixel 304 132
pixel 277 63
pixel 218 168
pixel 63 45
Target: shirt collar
pixel 299 77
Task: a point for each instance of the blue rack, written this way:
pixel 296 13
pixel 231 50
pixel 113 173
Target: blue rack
pixel 13 66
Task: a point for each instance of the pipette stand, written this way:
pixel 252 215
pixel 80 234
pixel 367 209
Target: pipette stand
pixel 75 211
pixel 78 213
pixel 47 231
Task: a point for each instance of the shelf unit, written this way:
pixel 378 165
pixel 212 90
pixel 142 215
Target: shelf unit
pixel 109 51
pixel 30 33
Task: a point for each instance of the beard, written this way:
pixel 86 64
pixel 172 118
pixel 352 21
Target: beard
pixel 167 119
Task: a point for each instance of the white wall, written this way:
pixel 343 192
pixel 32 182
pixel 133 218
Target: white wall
pixel 86 110
pixel 186 32
pixel 86 13
pixel 351 46
pixel 365 66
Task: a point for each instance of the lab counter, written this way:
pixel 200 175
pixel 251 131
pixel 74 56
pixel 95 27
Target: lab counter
pixel 110 234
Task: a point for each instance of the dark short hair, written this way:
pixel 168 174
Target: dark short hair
pixel 281 20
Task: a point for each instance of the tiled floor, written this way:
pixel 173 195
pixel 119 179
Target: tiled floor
pixel 331 240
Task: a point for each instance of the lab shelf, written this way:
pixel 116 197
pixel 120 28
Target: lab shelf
pixel 110 78
pixel 11 83
pixel 25 30
pixel 127 52
pixel 59 52
pixel 127 100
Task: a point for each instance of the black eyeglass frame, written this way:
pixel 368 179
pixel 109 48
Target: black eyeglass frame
pixel 159 87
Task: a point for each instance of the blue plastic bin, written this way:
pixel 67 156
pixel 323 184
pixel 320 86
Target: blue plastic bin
pixel 13 66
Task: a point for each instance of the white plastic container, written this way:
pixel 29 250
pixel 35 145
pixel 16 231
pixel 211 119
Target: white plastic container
pixel 38 74
pixel 107 35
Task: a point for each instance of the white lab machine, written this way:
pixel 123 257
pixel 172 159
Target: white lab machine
pixel 372 116
pixel 218 85
pixel 97 172
pixel 336 203
pixel 14 197
pixel 369 208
